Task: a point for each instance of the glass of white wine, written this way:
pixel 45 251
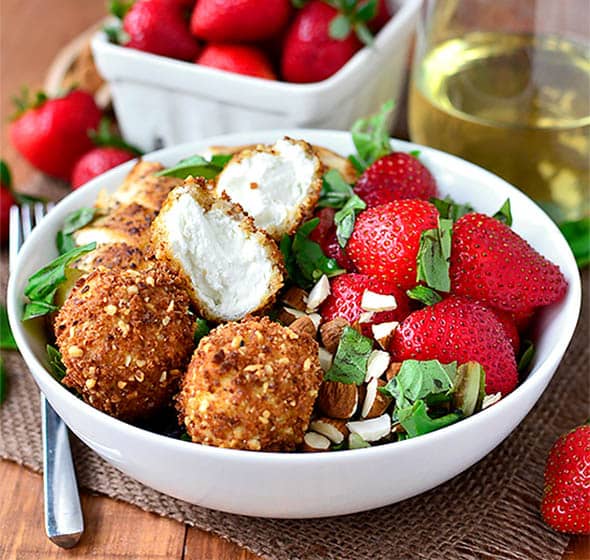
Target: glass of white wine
pixel 506 84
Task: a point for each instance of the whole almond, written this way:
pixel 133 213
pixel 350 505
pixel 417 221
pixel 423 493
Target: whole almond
pixel 303 325
pixel 381 402
pixel 331 333
pixel 296 298
pixel 338 400
pixel 393 370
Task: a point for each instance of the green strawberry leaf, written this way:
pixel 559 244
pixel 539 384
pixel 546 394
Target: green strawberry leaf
pixel 451 210
pixel 304 259
pixel 367 11
pixel 196 166
pixel 345 218
pixel 119 8
pixel 115 34
pixel 371 137
pixel 42 285
pixel 433 256
pixel 56 364
pixel 105 136
pixel 24 102
pixel 351 358
pixel 577 234
pixel 6 339
pixel 416 421
pixel 335 190
pixel 339 27
pixel 423 294
pixel 527 353
pixel 201 329
pixel 5 175
pixel 364 34
pixel 504 215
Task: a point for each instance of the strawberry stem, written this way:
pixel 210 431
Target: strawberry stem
pixel 105 136
pixel 24 102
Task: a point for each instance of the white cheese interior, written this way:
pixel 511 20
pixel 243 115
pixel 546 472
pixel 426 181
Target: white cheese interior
pixel 229 269
pixel 270 187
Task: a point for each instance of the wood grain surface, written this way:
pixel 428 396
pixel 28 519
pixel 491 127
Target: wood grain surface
pixel 31 34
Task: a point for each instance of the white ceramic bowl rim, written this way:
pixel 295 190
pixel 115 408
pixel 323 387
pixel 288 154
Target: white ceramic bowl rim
pixel 535 377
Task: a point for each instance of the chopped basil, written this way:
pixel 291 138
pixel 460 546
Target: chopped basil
pixel 433 256
pixel 416 420
pixel 527 354
pixel 74 221
pixel 371 137
pixel 451 210
pixel 335 190
pixel 504 215
pixel 355 441
pixel 42 285
pixel 201 329
pixel 577 234
pixel 185 437
pixel 305 261
pixel 425 295
pixel 197 166
pixel 55 362
pixel 345 218
pixel 351 358
pixel 415 153
pixel 6 339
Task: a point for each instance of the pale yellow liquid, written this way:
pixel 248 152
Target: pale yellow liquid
pixel 516 105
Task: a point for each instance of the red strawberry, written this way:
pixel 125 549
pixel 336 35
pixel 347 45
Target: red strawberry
pixel 386 239
pixel 393 177
pixel 309 53
pixel 6 201
pixel 566 498
pixel 346 295
pixel 159 27
pixel 96 162
pixel 491 263
pixel 239 20
pixel 381 17
pixel 457 329
pixel 509 326
pixel 54 134
pixel 241 59
pixel 325 235
pixel 523 319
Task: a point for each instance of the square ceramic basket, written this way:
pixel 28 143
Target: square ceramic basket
pixel 161 101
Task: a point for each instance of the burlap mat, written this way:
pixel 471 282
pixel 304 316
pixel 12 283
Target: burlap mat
pixel 490 511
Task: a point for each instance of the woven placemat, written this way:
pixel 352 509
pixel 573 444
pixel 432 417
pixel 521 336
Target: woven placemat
pixel 489 511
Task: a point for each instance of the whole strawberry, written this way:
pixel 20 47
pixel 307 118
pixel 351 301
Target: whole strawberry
pixel 325 235
pixel 492 263
pixel 240 59
pixel 310 53
pixel 457 329
pixel 96 162
pixel 386 239
pixel 239 20
pixel 346 294
pixel 566 497
pixel 509 326
pixel 160 27
pixel 52 134
pixel 393 177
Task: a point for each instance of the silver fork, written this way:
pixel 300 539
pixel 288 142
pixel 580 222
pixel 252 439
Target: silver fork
pixel 64 523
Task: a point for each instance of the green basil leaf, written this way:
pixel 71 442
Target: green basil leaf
pixel 371 137
pixel 415 153
pixel 3 382
pixel 196 166
pixel 577 234
pixel 201 329
pixel 335 190
pixel 416 421
pixel 42 285
pixel 451 210
pixel 339 27
pixel 78 219
pixel 351 358
pixel 345 218
pixel 425 295
pixel 64 243
pixel 433 256
pixel 355 441
pixel 504 215
pixel 527 353
pixel 6 339
pixel 56 364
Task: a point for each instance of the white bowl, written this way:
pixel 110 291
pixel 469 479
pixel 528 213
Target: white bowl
pixel 316 484
pixel 163 102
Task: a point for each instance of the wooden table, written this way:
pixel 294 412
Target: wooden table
pixel 31 33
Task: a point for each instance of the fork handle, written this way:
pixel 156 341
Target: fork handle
pixel 64 523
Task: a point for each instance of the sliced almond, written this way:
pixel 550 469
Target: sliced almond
pixel 490 400
pixel 296 298
pixel 325 359
pixel 370 396
pixel 366 317
pixel 338 400
pixel 287 316
pixel 304 326
pixel 312 441
pixel 377 364
pixel 316 319
pixel 318 293
pixel 372 301
pixel 334 430
pixel 373 429
pixel 380 403
pixel 383 332
pixel 393 370
pixel 331 333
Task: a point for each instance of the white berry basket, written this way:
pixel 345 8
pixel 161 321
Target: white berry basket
pixel 160 101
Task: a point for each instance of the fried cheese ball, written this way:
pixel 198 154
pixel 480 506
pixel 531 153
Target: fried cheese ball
pixel 125 337
pixel 251 385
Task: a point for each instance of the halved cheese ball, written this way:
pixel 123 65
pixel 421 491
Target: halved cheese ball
pixel 232 268
pixel 277 185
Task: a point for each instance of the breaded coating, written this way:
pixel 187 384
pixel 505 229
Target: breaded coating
pixel 277 185
pixel 251 385
pixel 128 224
pixel 231 267
pixel 111 255
pixel 125 338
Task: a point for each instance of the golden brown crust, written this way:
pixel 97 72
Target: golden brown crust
pixel 199 190
pixel 250 385
pixel 125 337
pixel 111 255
